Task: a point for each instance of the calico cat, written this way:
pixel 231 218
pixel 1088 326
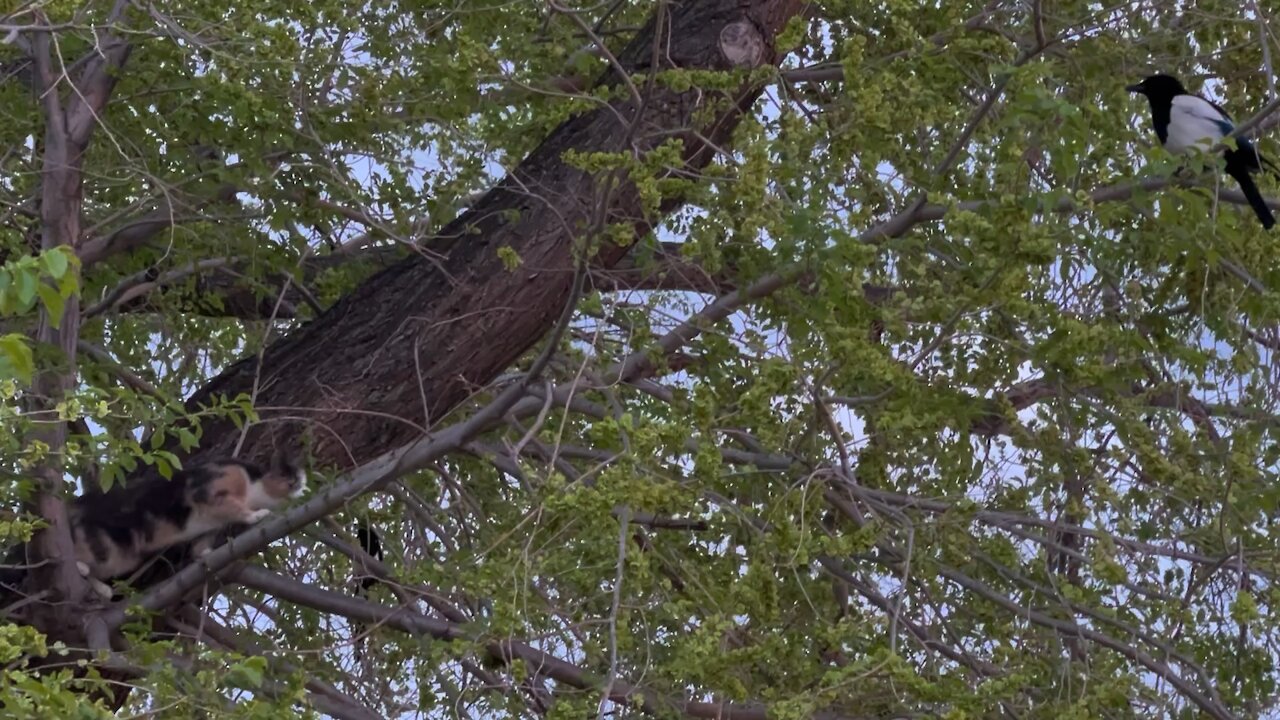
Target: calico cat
pixel 116 531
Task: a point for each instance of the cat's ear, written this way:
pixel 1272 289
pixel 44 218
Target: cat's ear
pixel 288 468
pixel 282 464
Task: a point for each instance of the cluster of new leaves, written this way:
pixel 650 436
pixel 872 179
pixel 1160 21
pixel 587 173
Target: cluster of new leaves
pixel 958 405
pixel 22 284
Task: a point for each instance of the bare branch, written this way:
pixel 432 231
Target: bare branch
pixel 141 283
pixel 142 230
pixel 504 651
pixel 325 696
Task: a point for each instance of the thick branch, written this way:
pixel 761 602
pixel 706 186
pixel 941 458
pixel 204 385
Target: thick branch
pixel 142 230
pixel 439 329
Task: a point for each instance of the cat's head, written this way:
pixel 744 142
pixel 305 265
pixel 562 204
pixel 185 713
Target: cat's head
pixel 283 479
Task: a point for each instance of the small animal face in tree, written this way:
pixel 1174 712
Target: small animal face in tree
pixel 284 480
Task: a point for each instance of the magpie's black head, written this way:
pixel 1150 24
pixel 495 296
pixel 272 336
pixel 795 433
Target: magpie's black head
pixel 1158 86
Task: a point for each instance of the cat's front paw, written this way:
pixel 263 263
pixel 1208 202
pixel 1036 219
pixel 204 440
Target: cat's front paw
pixel 256 515
pixel 83 567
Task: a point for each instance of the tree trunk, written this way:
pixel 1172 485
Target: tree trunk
pixel 417 338
pixel 70 118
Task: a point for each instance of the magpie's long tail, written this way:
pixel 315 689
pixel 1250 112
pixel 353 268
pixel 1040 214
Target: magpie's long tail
pixel 1251 193
pixel 372 545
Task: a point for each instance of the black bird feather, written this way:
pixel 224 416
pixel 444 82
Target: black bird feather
pixel 1182 120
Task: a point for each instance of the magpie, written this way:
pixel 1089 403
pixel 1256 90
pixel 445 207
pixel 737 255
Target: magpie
pixel 372 545
pixel 1183 121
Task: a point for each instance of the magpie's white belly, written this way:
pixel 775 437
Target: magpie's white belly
pixel 1194 123
pixel 1183 137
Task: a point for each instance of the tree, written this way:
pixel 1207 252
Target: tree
pixel 720 359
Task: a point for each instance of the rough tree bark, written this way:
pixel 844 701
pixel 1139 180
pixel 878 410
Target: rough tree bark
pixel 416 338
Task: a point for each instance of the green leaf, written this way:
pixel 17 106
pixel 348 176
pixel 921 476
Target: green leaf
pixel 68 284
pixel 27 283
pixel 16 359
pixel 53 302
pixel 248 673
pixel 510 258
pixel 186 439
pixel 109 476
pixel 168 458
pixel 55 263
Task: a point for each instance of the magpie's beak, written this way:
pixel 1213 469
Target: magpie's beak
pixel 1136 88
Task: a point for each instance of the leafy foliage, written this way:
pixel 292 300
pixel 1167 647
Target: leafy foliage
pixel 1014 455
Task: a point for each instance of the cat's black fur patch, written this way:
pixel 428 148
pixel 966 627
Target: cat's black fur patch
pixel 134 508
pixel 126 512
